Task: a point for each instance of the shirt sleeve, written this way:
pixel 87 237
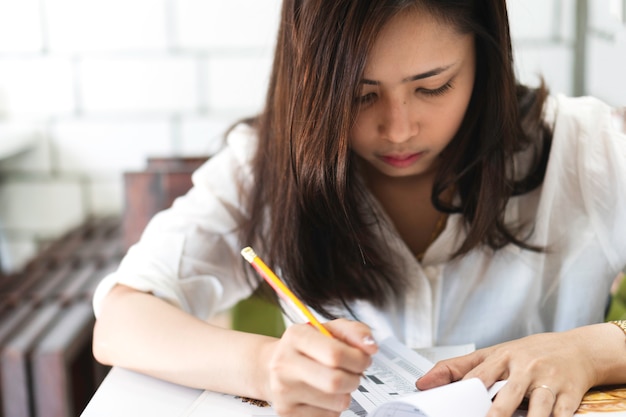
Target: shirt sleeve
pixel 188 254
pixel 597 164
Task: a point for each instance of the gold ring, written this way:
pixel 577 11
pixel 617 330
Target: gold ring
pixel 545 387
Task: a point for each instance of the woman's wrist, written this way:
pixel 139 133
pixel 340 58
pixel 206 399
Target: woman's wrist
pixel 602 349
pixel 621 324
pixel 264 359
pixel 613 361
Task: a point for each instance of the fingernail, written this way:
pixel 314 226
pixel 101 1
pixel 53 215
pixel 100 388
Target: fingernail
pixel 369 340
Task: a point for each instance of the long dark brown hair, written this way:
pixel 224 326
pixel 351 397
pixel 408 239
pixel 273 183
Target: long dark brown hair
pixel 307 209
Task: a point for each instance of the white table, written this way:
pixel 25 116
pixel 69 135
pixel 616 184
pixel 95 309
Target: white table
pixel 126 393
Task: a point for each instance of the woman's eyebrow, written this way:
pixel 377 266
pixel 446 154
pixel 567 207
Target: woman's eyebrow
pixel 427 74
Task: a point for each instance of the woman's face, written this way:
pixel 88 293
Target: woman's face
pixel 416 86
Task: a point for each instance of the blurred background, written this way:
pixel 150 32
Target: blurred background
pixel 91 88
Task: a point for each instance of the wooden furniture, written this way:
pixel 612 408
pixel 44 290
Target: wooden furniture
pixel 46 322
pixel 154 189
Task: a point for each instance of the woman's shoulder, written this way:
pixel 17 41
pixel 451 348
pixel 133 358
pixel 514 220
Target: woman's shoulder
pixel 585 129
pixel 241 131
pixel 242 138
pixel 235 155
pixel 584 114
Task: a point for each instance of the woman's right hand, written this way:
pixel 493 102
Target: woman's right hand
pixel 312 375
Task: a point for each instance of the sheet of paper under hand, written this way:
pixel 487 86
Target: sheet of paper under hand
pixel 467 398
pixel 388 389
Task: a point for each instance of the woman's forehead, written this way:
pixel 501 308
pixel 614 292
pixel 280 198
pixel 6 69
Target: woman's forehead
pixel 415 42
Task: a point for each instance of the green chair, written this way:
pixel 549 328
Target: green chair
pixel 259 314
pixel 617 305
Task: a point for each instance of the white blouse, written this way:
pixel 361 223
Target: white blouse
pixel 189 254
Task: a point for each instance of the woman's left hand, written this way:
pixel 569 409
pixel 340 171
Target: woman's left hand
pixel 552 370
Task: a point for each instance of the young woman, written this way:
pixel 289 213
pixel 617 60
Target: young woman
pixel 401 183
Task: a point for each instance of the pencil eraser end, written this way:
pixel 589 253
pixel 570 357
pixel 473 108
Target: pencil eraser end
pixel 248 254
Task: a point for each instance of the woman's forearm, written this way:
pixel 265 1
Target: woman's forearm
pixel 141 332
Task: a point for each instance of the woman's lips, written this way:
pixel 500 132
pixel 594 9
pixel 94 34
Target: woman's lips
pixel 401 161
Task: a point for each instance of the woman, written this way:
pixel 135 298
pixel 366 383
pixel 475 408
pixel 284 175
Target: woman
pixel 402 184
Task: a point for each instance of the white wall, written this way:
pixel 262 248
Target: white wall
pixel 606 51
pixel 102 84
pixel 543 34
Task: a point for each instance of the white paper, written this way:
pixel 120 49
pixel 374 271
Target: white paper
pixel 467 398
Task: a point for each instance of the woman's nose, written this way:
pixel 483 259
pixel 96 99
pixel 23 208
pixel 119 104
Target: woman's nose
pixel 398 123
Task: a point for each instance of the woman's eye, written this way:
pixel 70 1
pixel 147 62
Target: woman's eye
pixel 437 91
pixel 366 98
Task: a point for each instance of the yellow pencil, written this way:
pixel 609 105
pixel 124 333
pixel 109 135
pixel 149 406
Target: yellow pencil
pixel 281 289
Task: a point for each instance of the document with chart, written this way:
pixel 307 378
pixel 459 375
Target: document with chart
pixel 388 381
pixel 388 388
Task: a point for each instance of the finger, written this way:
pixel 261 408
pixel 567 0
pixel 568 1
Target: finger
pixel 328 380
pixel 336 403
pixel 305 381
pixel 314 389
pixel 332 353
pixel 351 349
pixel 508 398
pixel 353 333
pixel 491 372
pixel 450 370
pixel 496 365
pixel 320 401
pixel 438 375
pixel 566 404
pixel 541 402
